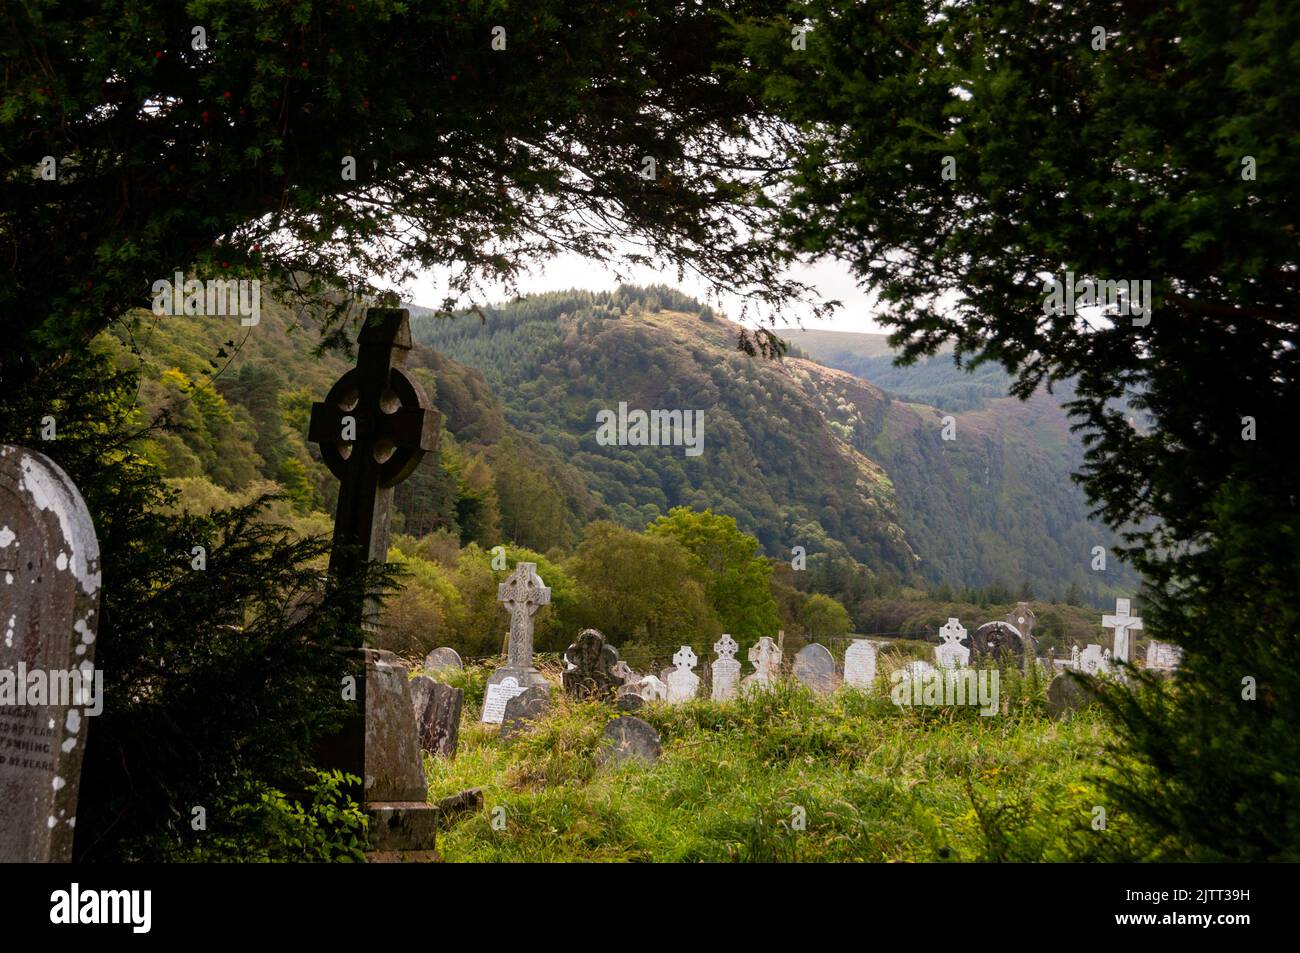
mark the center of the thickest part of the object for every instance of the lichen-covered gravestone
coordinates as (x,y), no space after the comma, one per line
(589,666)
(528,706)
(522,594)
(860,664)
(49,611)
(374,427)
(442,659)
(1067,693)
(814,666)
(437,715)
(629,738)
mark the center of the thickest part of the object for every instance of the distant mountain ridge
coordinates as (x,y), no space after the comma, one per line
(800,453)
(936,380)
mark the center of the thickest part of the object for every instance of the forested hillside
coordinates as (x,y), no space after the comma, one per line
(900,528)
(240,408)
(799,454)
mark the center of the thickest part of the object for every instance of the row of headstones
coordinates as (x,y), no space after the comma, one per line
(438,708)
(592,669)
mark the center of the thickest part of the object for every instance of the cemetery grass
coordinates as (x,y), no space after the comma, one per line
(875,783)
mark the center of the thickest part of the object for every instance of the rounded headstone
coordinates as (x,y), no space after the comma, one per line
(814,666)
(442,658)
(996,641)
(527,706)
(630,701)
(631,738)
(1066,693)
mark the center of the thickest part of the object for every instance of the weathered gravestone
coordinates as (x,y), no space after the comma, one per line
(1093,660)
(1023,618)
(1163,656)
(814,666)
(726,670)
(49,604)
(374,427)
(917,668)
(627,678)
(652,689)
(766,659)
(951,653)
(443,659)
(522,594)
(589,667)
(1067,693)
(529,705)
(1124,625)
(683,684)
(629,701)
(860,664)
(629,738)
(997,642)
(437,715)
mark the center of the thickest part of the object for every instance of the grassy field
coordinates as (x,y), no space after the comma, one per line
(874,782)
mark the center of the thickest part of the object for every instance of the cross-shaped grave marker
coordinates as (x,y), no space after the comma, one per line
(1123,624)
(374,427)
(522,594)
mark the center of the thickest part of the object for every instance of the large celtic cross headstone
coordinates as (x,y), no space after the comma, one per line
(374,427)
(522,594)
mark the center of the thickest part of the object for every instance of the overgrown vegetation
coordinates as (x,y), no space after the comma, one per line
(874,782)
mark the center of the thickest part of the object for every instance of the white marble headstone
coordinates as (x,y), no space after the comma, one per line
(1163,656)
(726,670)
(652,689)
(860,664)
(683,684)
(494,703)
(1124,625)
(951,653)
(1094,660)
(766,659)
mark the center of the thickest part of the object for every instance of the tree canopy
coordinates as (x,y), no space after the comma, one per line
(333,148)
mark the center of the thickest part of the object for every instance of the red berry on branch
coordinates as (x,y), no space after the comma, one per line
(205,116)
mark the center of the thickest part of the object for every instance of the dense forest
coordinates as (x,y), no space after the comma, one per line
(800,455)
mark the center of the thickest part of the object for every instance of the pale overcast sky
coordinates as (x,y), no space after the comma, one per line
(831,278)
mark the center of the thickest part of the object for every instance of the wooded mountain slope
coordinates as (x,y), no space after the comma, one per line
(799,453)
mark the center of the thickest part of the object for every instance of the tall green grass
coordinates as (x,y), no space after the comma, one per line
(873,782)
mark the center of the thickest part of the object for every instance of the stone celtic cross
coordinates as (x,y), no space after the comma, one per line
(374,427)
(522,594)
